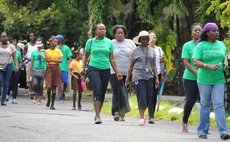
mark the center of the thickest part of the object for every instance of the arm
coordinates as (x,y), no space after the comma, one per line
(15,61)
(114,65)
(200,64)
(189,66)
(155,75)
(84,61)
(129,73)
(25,50)
(71,72)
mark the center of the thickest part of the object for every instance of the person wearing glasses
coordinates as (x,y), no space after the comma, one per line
(209,57)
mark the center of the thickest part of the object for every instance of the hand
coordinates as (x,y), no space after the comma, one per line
(16,68)
(119,76)
(157,83)
(83,71)
(75,76)
(214,67)
(127,81)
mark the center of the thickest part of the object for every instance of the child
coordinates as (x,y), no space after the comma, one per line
(75,69)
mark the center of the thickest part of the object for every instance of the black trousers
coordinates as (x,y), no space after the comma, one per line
(120,102)
(192,94)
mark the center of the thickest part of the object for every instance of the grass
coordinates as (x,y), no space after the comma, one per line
(162,113)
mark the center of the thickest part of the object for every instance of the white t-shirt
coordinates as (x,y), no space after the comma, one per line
(122,53)
(30,49)
(159,53)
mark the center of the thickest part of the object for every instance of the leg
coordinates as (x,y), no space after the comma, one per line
(116,96)
(218,103)
(192,93)
(205,103)
(48,96)
(53,98)
(152,100)
(79,99)
(74,99)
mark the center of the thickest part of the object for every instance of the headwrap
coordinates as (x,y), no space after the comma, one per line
(210,26)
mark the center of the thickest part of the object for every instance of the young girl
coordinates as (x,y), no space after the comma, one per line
(75,69)
(53,74)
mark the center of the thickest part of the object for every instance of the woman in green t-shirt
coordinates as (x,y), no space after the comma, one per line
(190,74)
(100,49)
(209,56)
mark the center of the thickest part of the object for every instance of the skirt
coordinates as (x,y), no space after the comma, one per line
(53,76)
(76,83)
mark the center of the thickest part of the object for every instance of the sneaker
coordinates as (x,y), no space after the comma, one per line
(14,101)
(74,108)
(116,116)
(151,121)
(98,120)
(7,98)
(225,136)
(52,108)
(61,98)
(3,103)
(122,118)
(202,136)
(142,122)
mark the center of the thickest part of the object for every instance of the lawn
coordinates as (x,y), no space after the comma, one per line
(162,113)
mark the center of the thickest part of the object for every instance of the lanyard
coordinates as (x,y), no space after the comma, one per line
(146,54)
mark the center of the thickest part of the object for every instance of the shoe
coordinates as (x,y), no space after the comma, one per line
(74,108)
(202,136)
(38,103)
(52,108)
(122,118)
(225,136)
(116,116)
(7,98)
(98,120)
(14,101)
(184,128)
(151,121)
(142,122)
(61,98)
(3,103)
(48,104)
(79,106)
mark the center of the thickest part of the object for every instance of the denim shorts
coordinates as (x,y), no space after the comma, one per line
(64,77)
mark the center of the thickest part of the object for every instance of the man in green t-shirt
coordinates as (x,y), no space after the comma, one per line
(67,54)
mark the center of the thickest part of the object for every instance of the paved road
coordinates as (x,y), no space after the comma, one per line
(27,122)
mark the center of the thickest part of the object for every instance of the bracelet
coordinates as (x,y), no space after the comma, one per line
(205,66)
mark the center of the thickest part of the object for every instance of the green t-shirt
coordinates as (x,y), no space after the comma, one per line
(210,53)
(19,58)
(187,52)
(66,54)
(39,62)
(99,52)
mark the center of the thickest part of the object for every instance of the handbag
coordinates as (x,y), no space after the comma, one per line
(87,83)
(38,73)
(3,67)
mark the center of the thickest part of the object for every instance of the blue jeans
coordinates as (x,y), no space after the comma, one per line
(214,93)
(5,79)
(99,80)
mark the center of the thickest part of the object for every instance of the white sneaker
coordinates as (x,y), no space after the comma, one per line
(14,101)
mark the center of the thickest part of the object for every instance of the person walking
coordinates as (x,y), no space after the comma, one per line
(159,58)
(75,70)
(67,56)
(53,57)
(100,50)
(38,68)
(190,74)
(15,76)
(123,49)
(209,57)
(7,52)
(28,49)
(144,72)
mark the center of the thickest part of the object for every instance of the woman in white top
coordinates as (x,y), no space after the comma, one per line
(159,58)
(123,49)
